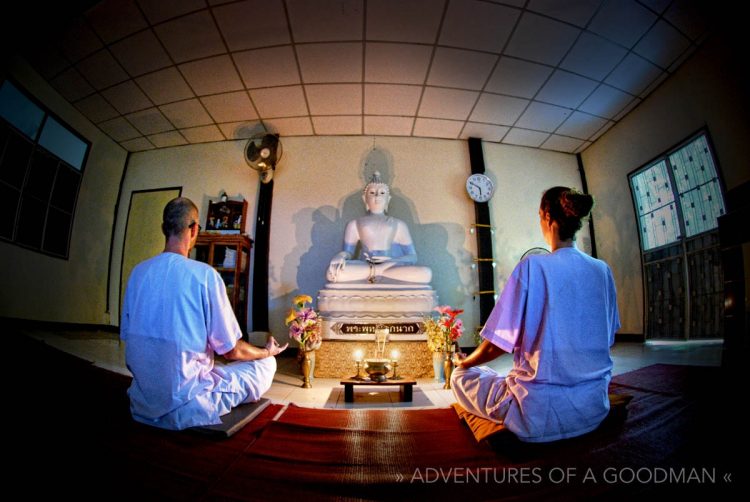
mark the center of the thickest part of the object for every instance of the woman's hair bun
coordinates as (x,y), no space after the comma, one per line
(576,204)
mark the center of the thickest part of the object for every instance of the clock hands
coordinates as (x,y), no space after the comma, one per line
(478,187)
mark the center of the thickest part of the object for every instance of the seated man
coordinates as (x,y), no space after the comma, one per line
(175,317)
(387,250)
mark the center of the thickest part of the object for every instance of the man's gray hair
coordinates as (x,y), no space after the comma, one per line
(177,216)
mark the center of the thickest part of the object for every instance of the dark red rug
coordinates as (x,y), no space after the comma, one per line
(76,437)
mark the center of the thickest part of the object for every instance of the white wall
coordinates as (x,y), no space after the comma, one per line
(521,176)
(706,91)
(318,187)
(39,287)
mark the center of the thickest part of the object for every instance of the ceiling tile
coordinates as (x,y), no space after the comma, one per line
(239,34)
(435,128)
(662,44)
(79,40)
(295,126)
(141,53)
(397,63)
(566,89)
(241,130)
(384,99)
(191,37)
(119,129)
(541,39)
(522,137)
(388,126)
(137,145)
(593,56)
(447,103)
(202,134)
(96,108)
(657,6)
(517,78)
(330,62)
(581,125)
(605,102)
(71,85)
(115,19)
(211,76)
(690,17)
(622,21)
(280,102)
(633,74)
(150,121)
(165,86)
(278,67)
(184,114)
(126,97)
(334,99)
(542,117)
(326,20)
(487,132)
(230,107)
(501,110)
(461,69)
(166,139)
(478,25)
(337,125)
(417,20)
(160,10)
(561,144)
(576,12)
(101,70)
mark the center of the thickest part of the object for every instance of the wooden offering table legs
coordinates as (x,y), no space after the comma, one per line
(405,394)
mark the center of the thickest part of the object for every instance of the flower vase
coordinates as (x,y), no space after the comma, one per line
(308,366)
(448,369)
(438,367)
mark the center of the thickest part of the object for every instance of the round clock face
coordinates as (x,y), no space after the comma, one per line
(480,187)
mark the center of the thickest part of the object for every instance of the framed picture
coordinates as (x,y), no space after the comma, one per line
(226,217)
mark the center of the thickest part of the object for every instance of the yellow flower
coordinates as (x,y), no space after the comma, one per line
(292,315)
(300,300)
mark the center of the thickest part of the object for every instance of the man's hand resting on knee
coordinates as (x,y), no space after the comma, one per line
(243,351)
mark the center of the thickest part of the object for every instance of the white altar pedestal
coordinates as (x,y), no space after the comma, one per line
(349,313)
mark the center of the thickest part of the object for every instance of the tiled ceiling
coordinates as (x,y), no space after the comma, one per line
(550,74)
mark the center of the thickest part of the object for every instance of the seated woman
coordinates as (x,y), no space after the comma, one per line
(386,248)
(558,316)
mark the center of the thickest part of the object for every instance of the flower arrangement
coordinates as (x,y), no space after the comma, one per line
(443,331)
(304,325)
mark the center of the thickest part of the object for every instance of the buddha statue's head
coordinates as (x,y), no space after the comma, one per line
(376,194)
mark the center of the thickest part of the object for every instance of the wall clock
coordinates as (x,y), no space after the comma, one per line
(480,187)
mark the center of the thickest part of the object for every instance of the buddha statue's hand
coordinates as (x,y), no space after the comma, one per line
(338,263)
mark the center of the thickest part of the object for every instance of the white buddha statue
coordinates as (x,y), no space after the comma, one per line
(386,247)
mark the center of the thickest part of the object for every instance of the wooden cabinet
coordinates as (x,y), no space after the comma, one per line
(230,256)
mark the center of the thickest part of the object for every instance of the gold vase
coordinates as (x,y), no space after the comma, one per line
(307,368)
(448,369)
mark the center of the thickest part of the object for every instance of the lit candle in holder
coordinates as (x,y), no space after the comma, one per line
(358,363)
(395,354)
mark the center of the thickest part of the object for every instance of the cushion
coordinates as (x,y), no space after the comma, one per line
(483,428)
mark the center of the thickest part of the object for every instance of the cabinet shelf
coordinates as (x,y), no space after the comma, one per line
(213,249)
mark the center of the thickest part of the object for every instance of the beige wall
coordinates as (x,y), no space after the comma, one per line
(39,287)
(318,189)
(706,91)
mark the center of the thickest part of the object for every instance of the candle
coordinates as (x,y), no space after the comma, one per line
(358,355)
(395,354)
